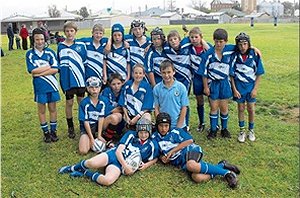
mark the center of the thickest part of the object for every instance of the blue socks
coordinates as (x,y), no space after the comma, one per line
(251,125)
(213,170)
(213,121)
(224,121)
(79,166)
(92,175)
(53,126)
(44,127)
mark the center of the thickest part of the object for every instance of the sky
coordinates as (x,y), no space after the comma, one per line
(32,7)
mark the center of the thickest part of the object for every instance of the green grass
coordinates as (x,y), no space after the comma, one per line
(270,166)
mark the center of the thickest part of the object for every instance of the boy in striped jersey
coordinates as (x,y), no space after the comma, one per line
(42,65)
(72,57)
(248,69)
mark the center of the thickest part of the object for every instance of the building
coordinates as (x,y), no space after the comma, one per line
(272,8)
(217,5)
(248,6)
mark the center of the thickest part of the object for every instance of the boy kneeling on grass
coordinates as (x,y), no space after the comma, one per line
(178,148)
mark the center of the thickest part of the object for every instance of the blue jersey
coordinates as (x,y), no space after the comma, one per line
(72,70)
(90,112)
(246,71)
(95,57)
(117,60)
(215,69)
(148,150)
(171,100)
(135,102)
(137,51)
(153,60)
(171,140)
(36,59)
(182,62)
(112,98)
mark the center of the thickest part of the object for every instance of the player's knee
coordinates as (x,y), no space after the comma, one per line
(193,166)
(196,177)
(250,109)
(83,150)
(241,108)
(106,181)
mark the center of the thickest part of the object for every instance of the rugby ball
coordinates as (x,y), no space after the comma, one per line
(98,146)
(134,160)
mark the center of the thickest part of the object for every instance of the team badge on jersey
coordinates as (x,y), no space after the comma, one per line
(123,52)
(78,48)
(176,93)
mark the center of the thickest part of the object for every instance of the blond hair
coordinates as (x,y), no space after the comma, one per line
(98,27)
(173,33)
(195,30)
(70,24)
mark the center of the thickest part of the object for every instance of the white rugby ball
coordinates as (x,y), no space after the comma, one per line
(134,160)
(98,146)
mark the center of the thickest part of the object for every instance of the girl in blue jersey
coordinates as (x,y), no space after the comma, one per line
(91,116)
(155,55)
(118,59)
(42,65)
(114,160)
(178,148)
(198,48)
(248,69)
(95,52)
(137,97)
(72,55)
(113,125)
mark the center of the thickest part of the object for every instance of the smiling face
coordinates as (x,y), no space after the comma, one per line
(168,75)
(138,73)
(97,35)
(143,135)
(39,41)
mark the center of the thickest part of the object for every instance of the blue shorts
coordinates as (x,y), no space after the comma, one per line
(190,148)
(112,158)
(47,97)
(245,90)
(197,85)
(220,89)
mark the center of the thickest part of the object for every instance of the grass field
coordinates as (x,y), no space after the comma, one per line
(269,166)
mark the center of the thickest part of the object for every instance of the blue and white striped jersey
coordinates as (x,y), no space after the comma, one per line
(89,112)
(117,61)
(36,59)
(72,59)
(171,140)
(182,62)
(138,101)
(137,51)
(148,150)
(248,70)
(215,69)
(95,57)
(153,60)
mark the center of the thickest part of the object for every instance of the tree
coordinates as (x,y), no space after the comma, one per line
(84,12)
(53,11)
(198,5)
(288,8)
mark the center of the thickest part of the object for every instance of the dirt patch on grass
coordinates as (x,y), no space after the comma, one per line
(291,115)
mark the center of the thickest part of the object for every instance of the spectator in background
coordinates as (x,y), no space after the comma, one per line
(24,34)
(10,35)
(30,35)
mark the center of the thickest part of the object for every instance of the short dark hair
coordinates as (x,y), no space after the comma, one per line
(220,34)
(165,64)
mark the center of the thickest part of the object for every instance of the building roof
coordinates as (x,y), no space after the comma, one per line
(188,10)
(17,18)
(168,14)
(257,15)
(222,2)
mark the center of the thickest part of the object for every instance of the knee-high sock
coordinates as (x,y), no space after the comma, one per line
(213,121)
(92,175)
(79,166)
(213,170)
(224,120)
